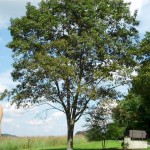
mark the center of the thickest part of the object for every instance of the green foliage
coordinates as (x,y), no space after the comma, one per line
(141,83)
(131,114)
(144,46)
(94,134)
(115,132)
(64,51)
(127,109)
(125,115)
(3,94)
(100,123)
(135,108)
(78,44)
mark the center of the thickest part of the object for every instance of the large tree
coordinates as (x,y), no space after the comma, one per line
(67,52)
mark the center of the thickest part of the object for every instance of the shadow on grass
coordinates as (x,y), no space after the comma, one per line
(85,149)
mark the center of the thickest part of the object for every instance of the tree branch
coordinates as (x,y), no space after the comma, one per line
(61,100)
(79,114)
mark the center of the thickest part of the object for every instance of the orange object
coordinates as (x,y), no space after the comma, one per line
(1,116)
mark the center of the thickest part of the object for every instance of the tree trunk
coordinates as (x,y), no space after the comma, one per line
(70,136)
(103,143)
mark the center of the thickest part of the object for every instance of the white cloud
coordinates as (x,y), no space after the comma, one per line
(7,120)
(6,80)
(17,126)
(3,22)
(137,4)
(2,87)
(143,7)
(58,115)
(50,120)
(36,122)
(15,122)
(11,109)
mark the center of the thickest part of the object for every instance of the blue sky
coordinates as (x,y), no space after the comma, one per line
(23,122)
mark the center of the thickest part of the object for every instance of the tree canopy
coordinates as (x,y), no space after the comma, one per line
(66,51)
(133,112)
(141,83)
(100,124)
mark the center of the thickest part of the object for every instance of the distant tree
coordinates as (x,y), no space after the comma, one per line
(81,133)
(99,121)
(66,51)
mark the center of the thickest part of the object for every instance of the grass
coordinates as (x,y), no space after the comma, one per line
(53,143)
(20,143)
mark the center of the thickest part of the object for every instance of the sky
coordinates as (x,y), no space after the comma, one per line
(24,122)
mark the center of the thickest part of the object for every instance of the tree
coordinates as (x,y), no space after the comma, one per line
(127,113)
(131,114)
(141,83)
(93,134)
(115,132)
(65,50)
(99,120)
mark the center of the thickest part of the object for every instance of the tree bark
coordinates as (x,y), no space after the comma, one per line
(70,136)
(103,144)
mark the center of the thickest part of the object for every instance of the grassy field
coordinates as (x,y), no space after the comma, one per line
(52,143)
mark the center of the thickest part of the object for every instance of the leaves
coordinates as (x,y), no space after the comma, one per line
(66,52)
(141,83)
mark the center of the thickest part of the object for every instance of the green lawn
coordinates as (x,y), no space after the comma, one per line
(84,145)
(53,143)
